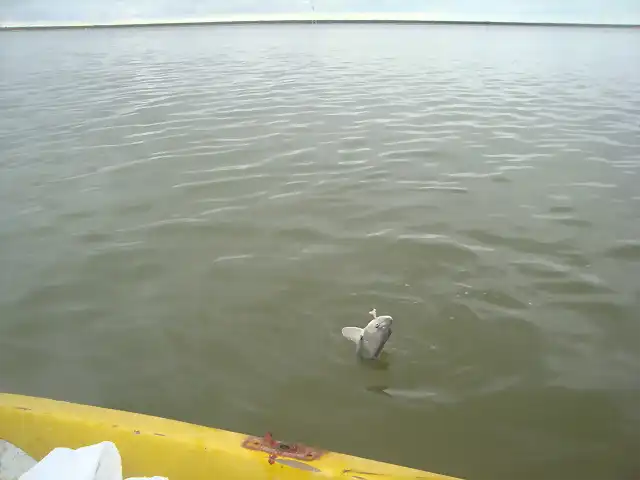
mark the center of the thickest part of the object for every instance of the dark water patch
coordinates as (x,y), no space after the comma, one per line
(572,287)
(627,252)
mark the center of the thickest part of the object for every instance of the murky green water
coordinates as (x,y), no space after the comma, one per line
(188,216)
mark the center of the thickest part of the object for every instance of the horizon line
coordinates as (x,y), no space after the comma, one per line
(390,18)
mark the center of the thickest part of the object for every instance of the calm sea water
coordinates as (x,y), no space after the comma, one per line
(189,216)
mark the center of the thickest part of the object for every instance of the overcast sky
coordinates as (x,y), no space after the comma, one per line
(584,11)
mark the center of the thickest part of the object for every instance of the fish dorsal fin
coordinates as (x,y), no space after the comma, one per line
(352,333)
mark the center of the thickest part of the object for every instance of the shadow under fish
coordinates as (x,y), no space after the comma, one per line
(420,394)
(379,389)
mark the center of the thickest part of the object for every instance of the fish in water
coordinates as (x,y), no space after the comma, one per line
(371,339)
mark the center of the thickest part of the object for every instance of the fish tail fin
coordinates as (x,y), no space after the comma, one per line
(352,333)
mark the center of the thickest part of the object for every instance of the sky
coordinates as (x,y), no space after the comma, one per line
(105,11)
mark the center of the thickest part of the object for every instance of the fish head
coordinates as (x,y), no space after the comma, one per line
(380,324)
(375,335)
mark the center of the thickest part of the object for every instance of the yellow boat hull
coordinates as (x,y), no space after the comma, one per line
(177,450)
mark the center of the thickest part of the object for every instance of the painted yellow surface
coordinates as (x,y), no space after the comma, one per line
(180,451)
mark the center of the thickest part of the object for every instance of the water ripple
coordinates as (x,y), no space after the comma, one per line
(233,203)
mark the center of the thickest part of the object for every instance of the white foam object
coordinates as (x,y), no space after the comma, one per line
(95,462)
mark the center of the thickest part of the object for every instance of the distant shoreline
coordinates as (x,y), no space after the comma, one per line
(306,20)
